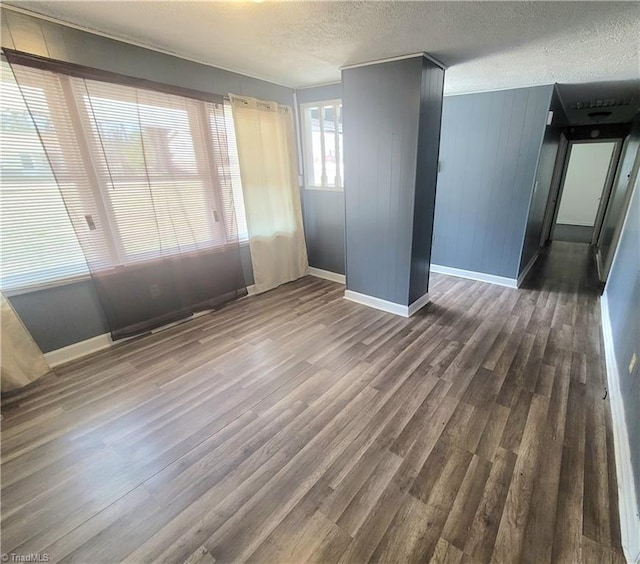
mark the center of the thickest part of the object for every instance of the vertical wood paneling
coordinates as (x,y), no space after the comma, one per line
(544,175)
(623,298)
(391,113)
(489,154)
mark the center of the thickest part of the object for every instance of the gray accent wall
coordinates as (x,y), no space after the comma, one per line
(323,210)
(68,314)
(542,185)
(426,178)
(385,136)
(489,153)
(622,292)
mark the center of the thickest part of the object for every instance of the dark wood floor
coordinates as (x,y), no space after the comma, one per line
(297,426)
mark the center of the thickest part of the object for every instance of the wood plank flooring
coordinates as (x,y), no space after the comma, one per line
(296,426)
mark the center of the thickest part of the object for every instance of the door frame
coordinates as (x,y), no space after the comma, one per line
(604,263)
(554,203)
(606,191)
(557,179)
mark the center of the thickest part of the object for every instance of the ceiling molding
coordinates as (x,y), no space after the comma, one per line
(398,58)
(133,42)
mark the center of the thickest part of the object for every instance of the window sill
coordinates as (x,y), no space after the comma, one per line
(324,188)
(31,288)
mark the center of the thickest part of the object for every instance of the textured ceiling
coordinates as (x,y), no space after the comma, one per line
(487,45)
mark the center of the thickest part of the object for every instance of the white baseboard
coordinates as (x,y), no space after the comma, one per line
(327,275)
(101,342)
(78,350)
(418,304)
(629,517)
(472,275)
(526,270)
(384,305)
(251,290)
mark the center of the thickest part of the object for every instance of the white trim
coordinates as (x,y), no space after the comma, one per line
(319,85)
(327,275)
(324,188)
(526,270)
(472,275)
(78,350)
(418,304)
(629,517)
(40,286)
(377,303)
(505,88)
(133,42)
(251,290)
(93,345)
(398,58)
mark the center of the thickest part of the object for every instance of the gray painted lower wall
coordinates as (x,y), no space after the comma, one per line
(488,159)
(63,315)
(323,212)
(623,297)
(67,314)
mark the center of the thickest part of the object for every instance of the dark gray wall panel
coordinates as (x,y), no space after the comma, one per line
(623,296)
(58,317)
(323,210)
(324,229)
(68,314)
(426,178)
(319,93)
(544,175)
(488,156)
(381,113)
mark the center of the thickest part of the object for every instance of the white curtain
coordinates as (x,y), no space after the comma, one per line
(21,361)
(266,151)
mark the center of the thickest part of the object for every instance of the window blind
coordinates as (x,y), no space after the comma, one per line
(143,174)
(37,239)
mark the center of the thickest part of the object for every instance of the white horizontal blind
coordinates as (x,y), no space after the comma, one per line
(153,167)
(143,174)
(38,243)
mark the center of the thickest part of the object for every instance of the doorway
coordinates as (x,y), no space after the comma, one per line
(584,189)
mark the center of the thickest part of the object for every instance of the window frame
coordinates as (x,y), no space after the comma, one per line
(119,260)
(307,146)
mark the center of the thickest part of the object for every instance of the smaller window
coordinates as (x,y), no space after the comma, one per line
(322,145)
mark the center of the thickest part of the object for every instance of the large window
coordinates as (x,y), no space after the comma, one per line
(322,145)
(143,174)
(38,243)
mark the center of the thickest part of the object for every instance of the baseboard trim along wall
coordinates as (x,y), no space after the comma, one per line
(327,275)
(98,343)
(527,269)
(629,518)
(78,350)
(384,305)
(418,304)
(472,275)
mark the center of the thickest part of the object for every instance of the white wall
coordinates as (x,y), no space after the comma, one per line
(586,175)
